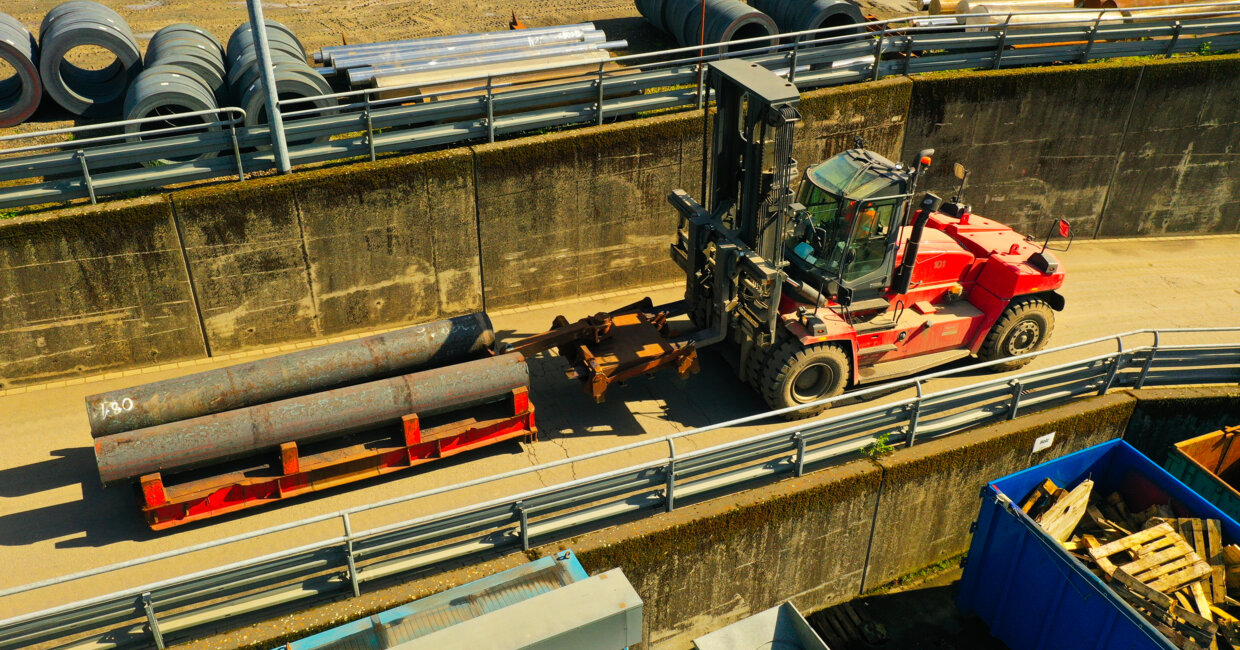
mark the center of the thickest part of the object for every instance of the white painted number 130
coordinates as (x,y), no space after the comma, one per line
(116,408)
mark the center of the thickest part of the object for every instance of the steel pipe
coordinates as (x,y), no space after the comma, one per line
(294,374)
(21,93)
(244,432)
(360,76)
(326,54)
(464,49)
(80,91)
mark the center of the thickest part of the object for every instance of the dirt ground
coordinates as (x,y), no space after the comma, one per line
(320,23)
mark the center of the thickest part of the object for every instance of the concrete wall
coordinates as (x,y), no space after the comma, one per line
(1118,149)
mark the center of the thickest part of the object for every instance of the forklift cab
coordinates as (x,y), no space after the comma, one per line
(848,236)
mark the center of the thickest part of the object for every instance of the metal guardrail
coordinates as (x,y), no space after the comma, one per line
(340,564)
(372,123)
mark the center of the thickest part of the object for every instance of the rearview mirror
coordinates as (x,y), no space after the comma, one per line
(958,171)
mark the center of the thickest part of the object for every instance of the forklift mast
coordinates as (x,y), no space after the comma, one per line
(732,251)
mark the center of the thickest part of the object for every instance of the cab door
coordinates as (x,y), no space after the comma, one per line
(872,247)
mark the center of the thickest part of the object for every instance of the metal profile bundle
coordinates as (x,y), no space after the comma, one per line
(819,14)
(328,55)
(80,91)
(725,20)
(21,93)
(343,61)
(508,61)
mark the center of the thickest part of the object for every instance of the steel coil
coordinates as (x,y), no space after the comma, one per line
(243,74)
(726,20)
(821,14)
(230,435)
(81,91)
(166,90)
(19,94)
(242,38)
(652,11)
(293,81)
(192,50)
(181,30)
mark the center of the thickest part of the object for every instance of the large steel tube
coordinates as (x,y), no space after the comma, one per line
(82,91)
(244,432)
(388,57)
(328,53)
(20,93)
(994,14)
(360,76)
(652,10)
(294,374)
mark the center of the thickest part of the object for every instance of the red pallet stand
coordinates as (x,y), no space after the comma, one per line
(165,506)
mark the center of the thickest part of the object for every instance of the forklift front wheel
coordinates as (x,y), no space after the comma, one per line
(801,375)
(1023,327)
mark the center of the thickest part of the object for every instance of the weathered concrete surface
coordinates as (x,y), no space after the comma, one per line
(1176,171)
(704,566)
(1041,142)
(584,211)
(392,242)
(929,496)
(247,260)
(93,289)
(1165,416)
(832,117)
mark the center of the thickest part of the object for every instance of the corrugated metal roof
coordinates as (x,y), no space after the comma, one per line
(450,607)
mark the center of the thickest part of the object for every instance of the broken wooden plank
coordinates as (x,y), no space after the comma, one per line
(1200,600)
(1063,516)
(1044,491)
(1104,524)
(1214,557)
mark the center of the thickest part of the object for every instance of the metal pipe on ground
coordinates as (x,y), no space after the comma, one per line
(399,352)
(19,94)
(230,435)
(360,76)
(518,74)
(994,14)
(466,49)
(81,91)
(326,54)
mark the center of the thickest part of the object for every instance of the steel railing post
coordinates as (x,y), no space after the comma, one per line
(1145,370)
(90,184)
(152,621)
(1093,34)
(1017,387)
(914,415)
(792,60)
(1002,42)
(599,83)
(800,440)
(908,51)
(701,84)
(232,129)
(525,525)
(669,502)
(370,128)
(1175,38)
(490,109)
(878,53)
(348,554)
(258,26)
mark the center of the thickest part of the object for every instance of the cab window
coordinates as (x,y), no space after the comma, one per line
(870,235)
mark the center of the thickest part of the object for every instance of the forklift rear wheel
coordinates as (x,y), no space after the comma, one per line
(800,375)
(1024,327)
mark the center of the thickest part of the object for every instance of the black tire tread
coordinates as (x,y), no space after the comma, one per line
(1015,312)
(782,358)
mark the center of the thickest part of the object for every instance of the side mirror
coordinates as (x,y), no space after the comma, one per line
(959,171)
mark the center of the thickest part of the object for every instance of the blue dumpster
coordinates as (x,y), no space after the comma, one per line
(1034,594)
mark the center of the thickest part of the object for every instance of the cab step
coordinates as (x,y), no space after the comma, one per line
(905,367)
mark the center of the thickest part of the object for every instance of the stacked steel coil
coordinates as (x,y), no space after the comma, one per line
(293,76)
(19,94)
(799,16)
(81,91)
(725,20)
(184,73)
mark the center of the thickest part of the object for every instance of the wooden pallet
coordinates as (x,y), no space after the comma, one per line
(1164,560)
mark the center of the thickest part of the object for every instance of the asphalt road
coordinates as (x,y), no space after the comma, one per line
(55,519)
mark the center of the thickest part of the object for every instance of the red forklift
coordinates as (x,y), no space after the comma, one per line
(851,278)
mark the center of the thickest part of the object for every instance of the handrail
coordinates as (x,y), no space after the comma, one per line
(669,79)
(935,413)
(239,116)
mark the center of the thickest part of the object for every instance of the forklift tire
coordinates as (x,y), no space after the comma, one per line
(1024,327)
(800,375)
